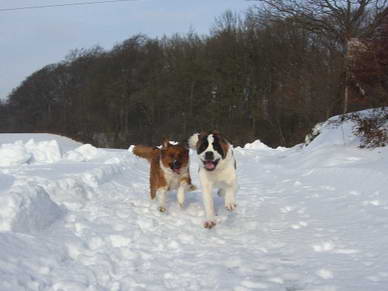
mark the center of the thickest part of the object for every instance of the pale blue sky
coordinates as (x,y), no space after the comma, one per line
(31,39)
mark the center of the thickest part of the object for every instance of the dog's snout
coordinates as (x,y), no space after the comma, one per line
(209,156)
(176,164)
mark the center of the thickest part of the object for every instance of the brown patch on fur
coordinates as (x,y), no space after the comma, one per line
(224,143)
(157,179)
(224,138)
(166,155)
(171,152)
(201,135)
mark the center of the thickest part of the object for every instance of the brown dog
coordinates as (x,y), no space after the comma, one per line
(169,170)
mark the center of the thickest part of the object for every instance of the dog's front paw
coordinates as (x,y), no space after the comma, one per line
(162,209)
(209,224)
(230,204)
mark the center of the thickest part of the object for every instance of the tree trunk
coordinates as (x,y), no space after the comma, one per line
(347,76)
(346,94)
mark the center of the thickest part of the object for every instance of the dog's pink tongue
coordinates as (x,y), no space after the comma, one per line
(209,165)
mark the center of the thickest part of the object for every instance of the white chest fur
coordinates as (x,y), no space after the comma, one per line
(173,179)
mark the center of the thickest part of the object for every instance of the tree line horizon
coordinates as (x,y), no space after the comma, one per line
(258,75)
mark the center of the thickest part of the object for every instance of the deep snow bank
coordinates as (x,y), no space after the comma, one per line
(308,218)
(31,204)
(27,208)
(13,155)
(340,130)
(44,151)
(66,143)
(16,150)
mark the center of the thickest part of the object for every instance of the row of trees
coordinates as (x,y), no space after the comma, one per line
(265,74)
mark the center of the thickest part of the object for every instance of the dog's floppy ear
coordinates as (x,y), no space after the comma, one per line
(165,142)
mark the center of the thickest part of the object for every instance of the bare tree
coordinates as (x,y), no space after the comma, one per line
(341,20)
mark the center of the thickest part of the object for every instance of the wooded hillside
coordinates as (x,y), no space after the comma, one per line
(251,77)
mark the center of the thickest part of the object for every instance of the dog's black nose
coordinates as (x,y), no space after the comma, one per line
(209,156)
(176,164)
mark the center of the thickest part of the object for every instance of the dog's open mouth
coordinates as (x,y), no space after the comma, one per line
(210,165)
(176,170)
(176,167)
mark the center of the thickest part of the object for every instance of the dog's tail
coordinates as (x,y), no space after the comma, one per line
(145,152)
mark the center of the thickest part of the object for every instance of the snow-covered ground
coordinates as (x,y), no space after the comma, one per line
(74,217)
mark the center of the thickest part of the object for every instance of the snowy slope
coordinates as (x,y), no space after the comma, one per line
(74,217)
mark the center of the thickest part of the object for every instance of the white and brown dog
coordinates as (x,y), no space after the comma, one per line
(217,170)
(169,171)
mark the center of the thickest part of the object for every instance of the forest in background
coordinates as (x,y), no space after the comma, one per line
(261,75)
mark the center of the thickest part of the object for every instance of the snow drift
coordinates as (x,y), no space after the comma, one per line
(74,217)
(27,208)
